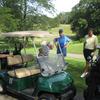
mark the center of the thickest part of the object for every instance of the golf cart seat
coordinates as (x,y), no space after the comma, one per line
(21,72)
(19,59)
(24,72)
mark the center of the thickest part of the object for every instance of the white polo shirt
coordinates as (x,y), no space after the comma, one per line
(91,42)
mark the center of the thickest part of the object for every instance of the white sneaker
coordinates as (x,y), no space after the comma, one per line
(84,74)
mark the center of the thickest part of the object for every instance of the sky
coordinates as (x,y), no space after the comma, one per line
(64,5)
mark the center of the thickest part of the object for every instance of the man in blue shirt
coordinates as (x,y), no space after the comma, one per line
(61,43)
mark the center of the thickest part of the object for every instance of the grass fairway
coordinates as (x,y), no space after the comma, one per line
(75,68)
(76,48)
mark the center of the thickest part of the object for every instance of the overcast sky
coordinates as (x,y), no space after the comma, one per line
(64,5)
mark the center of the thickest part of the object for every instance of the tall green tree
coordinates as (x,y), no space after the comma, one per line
(33,8)
(84,15)
(7,21)
(64,17)
(22,13)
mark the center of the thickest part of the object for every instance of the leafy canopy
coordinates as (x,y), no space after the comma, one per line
(84,15)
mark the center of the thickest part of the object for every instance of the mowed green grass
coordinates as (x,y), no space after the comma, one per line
(72,48)
(76,48)
(75,68)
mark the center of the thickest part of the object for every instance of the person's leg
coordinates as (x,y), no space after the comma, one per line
(64,51)
(86,55)
(58,50)
(86,69)
(88,58)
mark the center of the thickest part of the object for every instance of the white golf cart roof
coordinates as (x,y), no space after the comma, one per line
(27,34)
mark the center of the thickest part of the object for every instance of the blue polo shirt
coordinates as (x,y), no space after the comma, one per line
(62,40)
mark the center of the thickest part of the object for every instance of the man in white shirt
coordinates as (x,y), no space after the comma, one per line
(89,48)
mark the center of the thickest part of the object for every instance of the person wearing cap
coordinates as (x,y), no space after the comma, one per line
(44,49)
(89,48)
(61,43)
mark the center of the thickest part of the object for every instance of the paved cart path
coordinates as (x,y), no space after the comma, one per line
(78,56)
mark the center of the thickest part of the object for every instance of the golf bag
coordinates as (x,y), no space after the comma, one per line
(92,92)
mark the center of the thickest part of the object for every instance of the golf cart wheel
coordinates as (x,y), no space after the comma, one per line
(47,97)
(74,93)
(73,89)
(70,96)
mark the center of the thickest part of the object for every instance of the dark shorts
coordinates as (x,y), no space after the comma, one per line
(87,54)
(63,50)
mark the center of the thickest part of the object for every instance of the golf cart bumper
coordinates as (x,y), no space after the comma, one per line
(68,93)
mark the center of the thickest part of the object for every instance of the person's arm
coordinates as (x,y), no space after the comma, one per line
(55,42)
(95,43)
(67,42)
(84,43)
(95,46)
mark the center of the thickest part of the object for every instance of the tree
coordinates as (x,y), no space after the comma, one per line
(64,17)
(7,23)
(36,8)
(84,15)
(21,13)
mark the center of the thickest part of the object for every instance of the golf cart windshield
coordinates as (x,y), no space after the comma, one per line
(51,64)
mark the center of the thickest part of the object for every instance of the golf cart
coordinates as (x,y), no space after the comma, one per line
(92,92)
(46,80)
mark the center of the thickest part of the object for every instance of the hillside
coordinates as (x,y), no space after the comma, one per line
(66,28)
